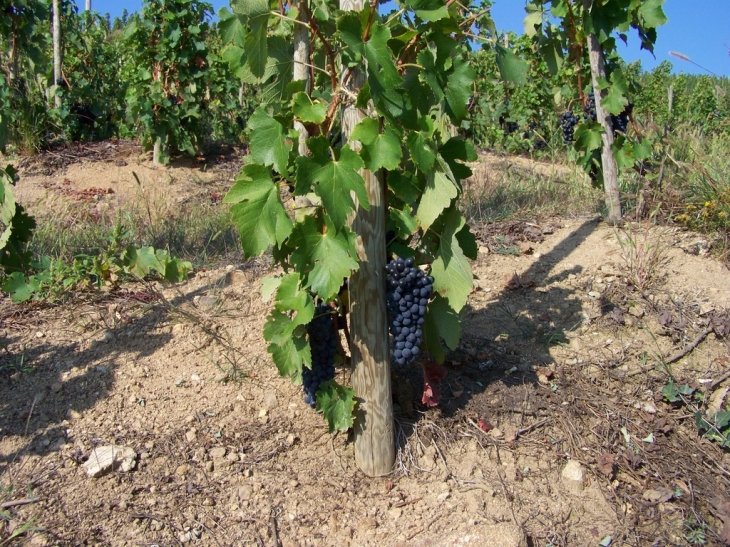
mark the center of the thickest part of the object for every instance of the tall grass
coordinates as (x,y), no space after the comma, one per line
(507,188)
(198,231)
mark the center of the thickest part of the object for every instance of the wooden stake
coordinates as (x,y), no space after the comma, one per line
(610,169)
(57,74)
(374,431)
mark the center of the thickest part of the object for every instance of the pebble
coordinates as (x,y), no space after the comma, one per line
(270,402)
(183,469)
(190,435)
(217,452)
(573,476)
(56,387)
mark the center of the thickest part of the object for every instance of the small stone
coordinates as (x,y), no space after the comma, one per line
(108,337)
(183,469)
(56,387)
(291,439)
(235,277)
(190,435)
(496,433)
(108,458)
(220,377)
(270,402)
(194,378)
(483,249)
(263,412)
(207,302)
(595,295)
(208,502)
(39,334)
(573,476)
(293,483)
(209,466)
(232,457)
(637,311)
(368,523)
(244,492)
(217,452)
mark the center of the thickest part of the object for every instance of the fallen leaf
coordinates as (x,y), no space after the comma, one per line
(606,464)
(544,317)
(512,282)
(658,495)
(433,373)
(484,425)
(526,248)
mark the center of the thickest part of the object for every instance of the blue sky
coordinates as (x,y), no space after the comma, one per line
(699,29)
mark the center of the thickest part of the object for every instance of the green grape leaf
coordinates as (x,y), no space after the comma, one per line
(290,356)
(269,286)
(327,257)
(19,288)
(642,149)
(446,323)
(459,88)
(269,145)
(451,270)
(652,14)
(512,68)
(308,110)
(141,261)
(588,136)
(404,221)
(333,181)
(404,185)
(420,151)
(378,149)
(337,405)
(381,65)
(291,296)
(533,20)
(258,212)
(468,242)
(615,100)
(437,196)
(429,10)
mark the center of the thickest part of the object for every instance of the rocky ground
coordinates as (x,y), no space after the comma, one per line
(553,427)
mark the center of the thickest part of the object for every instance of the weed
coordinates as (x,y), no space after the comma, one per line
(644,254)
(695,532)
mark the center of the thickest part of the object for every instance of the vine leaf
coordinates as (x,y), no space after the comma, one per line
(333,180)
(588,136)
(420,151)
(615,100)
(288,346)
(451,270)
(429,10)
(379,149)
(307,110)
(437,196)
(257,211)
(269,146)
(512,68)
(327,257)
(381,65)
(459,88)
(652,13)
(442,323)
(337,404)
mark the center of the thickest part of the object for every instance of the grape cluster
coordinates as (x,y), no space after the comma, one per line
(568,121)
(323,342)
(408,292)
(621,122)
(589,109)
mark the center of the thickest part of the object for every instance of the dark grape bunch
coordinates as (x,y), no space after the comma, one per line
(589,109)
(408,292)
(323,341)
(621,122)
(568,121)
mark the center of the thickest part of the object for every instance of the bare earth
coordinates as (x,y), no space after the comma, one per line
(559,362)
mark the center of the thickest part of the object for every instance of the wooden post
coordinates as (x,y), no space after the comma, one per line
(88,5)
(610,169)
(57,74)
(374,435)
(301,73)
